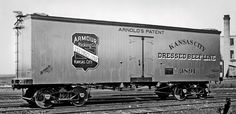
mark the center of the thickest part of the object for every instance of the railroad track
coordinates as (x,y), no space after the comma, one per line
(9,96)
(133,107)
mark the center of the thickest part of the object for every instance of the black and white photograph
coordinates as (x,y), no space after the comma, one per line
(118,57)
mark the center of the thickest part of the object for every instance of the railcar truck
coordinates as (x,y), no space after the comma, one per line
(59,58)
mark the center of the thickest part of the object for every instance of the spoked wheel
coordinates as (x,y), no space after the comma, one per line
(80,96)
(180,93)
(202,93)
(42,98)
(29,94)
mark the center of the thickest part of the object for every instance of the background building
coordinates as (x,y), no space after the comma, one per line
(228,49)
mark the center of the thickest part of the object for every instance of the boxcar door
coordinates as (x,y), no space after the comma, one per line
(148,57)
(135,57)
(140,58)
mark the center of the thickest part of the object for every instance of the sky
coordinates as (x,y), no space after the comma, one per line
(200,14)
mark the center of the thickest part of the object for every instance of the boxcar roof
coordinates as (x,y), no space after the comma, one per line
(100,22)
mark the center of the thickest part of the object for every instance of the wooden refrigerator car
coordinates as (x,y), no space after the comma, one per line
(59,58)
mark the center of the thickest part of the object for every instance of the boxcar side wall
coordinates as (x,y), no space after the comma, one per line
(54,51)
(65,52)
(187,56)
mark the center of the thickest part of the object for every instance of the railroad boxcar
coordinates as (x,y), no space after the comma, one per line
(59,58)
